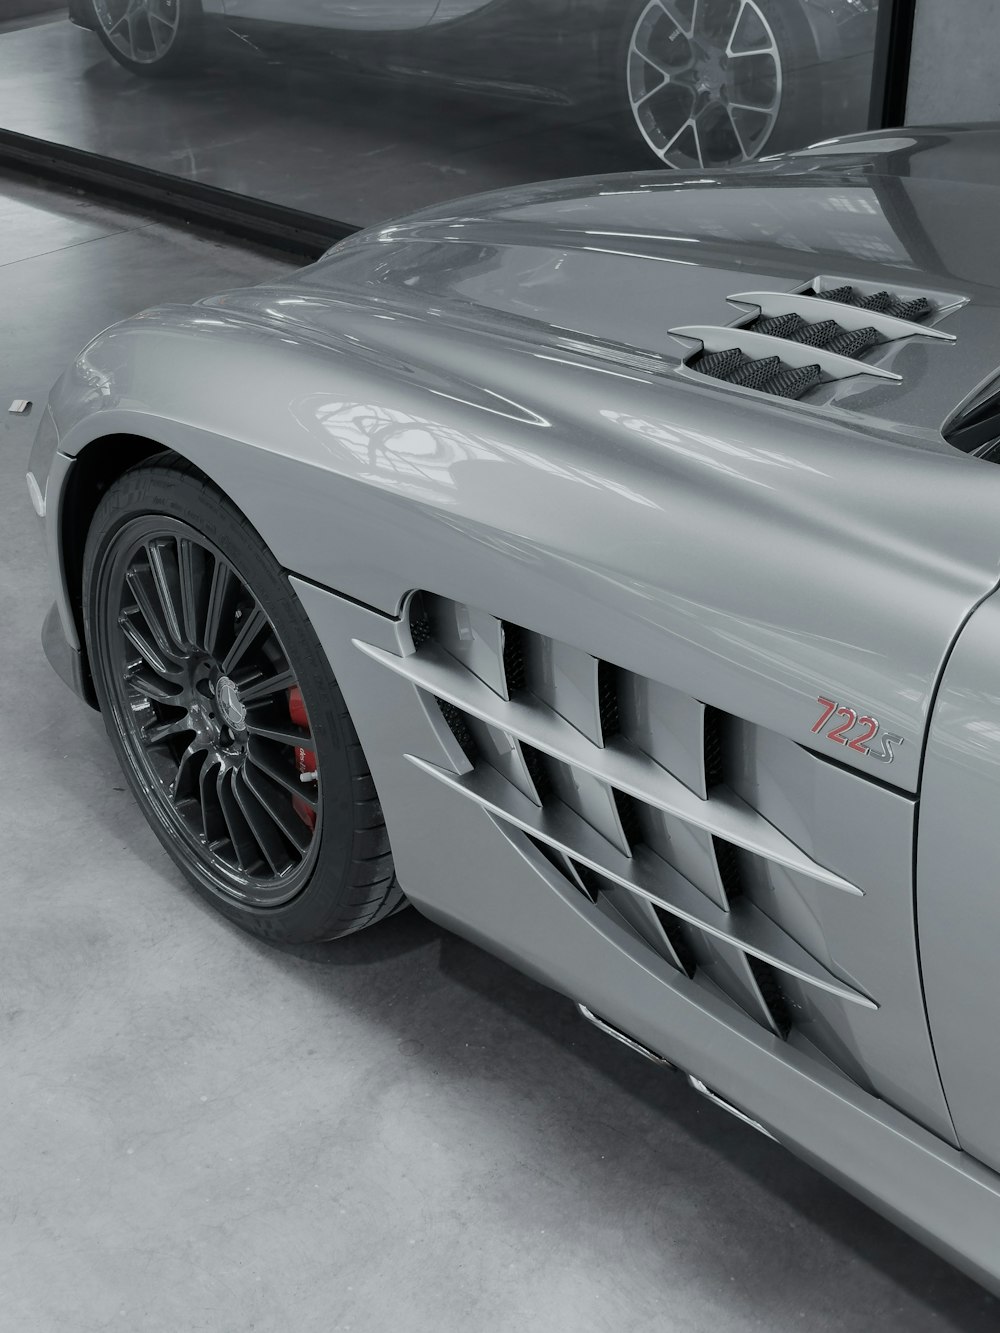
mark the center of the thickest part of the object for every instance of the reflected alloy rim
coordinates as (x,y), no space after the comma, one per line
(704,81)
(210,711)
(142,30)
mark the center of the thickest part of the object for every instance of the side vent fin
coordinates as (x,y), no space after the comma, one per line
(619,765)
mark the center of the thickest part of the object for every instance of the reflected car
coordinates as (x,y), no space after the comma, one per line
(608,568)
(702,83)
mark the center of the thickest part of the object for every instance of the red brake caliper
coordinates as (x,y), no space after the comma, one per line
(305,759)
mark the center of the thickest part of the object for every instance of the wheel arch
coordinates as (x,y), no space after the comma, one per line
(94,469)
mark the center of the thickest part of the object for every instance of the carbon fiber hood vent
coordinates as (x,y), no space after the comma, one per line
(795,342)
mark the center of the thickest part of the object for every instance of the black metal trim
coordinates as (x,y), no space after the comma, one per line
(306,235)
(891,64)
(67,662)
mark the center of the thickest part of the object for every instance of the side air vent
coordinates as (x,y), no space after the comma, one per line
(794,341)
(618,784)
(689,840)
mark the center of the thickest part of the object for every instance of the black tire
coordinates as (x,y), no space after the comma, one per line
(787,80)
(159,45)
(339,875)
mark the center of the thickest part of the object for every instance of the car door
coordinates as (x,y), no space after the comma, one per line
(958,870)
(353,15)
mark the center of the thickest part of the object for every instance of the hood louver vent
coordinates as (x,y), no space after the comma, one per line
(795,341)
(881,302)
(768,374)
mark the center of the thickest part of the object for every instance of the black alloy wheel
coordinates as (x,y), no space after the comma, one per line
(227,720)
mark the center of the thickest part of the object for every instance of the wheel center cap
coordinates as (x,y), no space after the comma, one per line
(711,77)
(232,709)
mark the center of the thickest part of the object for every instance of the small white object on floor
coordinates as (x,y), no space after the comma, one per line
(20,406)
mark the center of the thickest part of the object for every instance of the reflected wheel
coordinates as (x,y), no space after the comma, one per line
(150,37)
(715,83)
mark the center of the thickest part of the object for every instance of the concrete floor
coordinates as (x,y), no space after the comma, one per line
(393,1132)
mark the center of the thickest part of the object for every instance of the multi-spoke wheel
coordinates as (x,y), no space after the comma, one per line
(229,725)
(148,36)
(711,83)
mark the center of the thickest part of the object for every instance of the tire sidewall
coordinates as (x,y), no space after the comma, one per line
(159,492)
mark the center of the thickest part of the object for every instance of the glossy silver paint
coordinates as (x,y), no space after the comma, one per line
(485,402)
(958,885)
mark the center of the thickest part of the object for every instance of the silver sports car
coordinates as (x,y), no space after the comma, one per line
(700,82)
(610,567)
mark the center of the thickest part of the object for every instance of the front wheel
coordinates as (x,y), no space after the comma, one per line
(227,721)
(712,83)
(152,37)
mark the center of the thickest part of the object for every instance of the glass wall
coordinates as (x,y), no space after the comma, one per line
(953,67)
(363,109)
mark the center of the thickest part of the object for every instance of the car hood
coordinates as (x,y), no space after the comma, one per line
(619,262)
(496,384)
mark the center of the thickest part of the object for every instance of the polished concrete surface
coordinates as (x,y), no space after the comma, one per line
(953,63)
(309,135)
(393,1132)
